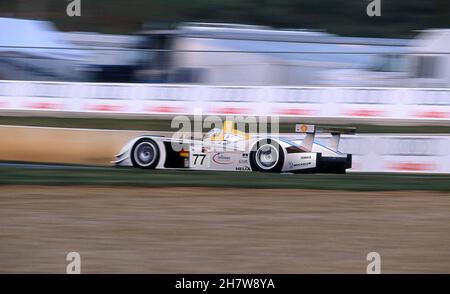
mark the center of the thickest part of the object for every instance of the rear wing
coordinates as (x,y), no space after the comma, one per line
(310,131)
(337,130)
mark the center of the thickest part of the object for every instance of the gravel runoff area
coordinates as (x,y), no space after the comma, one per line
(221,230)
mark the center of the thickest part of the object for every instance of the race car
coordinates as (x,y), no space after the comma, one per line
(228,149)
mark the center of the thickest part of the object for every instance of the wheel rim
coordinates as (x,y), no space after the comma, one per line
(267,156)
(145,154)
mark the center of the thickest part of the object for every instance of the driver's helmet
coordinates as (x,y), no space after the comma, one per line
(212,133)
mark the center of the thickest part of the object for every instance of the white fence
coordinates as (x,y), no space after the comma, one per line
(408,104)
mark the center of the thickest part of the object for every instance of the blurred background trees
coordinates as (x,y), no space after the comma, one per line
(399,18)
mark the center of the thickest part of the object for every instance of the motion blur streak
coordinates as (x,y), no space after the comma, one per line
(75,146)
(371,153)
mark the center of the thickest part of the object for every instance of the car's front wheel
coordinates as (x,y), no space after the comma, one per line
(267,156)
(145,154)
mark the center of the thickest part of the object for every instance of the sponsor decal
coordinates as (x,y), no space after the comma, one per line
(304,128)
(105,107)
(411,166)
(222,158)
(183,153)
(230,110)
(44,105)
(242,168)
(243,161)
(432,114)
(298,165)
(165,109)
(245,155)
(365,113)
(295,111)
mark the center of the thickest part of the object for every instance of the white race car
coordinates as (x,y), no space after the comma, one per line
(229,149)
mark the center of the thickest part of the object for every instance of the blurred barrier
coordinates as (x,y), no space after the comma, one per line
(371,153)
(371,104)
(398,153)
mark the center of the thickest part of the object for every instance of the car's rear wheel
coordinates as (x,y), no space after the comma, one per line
(267,156)
(145,154)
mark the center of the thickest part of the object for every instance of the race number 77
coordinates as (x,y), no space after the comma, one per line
(197,156)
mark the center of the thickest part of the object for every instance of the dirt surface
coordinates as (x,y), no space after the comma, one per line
(207,230)
(59,145)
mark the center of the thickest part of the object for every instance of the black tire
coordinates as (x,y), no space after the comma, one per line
(142,149)
(268,147)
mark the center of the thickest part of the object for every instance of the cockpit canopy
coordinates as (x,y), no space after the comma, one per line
(215,132)
(229,133)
